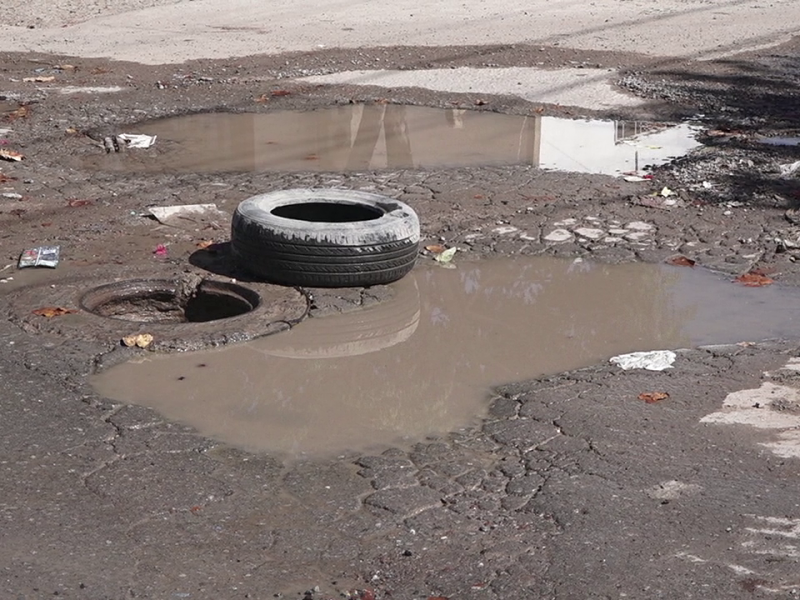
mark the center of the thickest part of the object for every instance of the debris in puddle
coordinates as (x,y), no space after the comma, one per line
(137,140)
(41,256)
(140,340)
(161,251)
(444,258)
(11,155)
(185,214)
(53,311)
(754,278)
(681,261)
(653,397)
(655,360)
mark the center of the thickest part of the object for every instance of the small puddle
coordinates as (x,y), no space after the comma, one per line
(367,137)
(424,362)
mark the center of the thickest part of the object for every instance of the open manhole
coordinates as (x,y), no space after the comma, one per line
(164,301)
(184,312)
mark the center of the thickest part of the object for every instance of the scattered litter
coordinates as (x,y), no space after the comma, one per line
(707,185)
(39,79)
(634,178)
(666,192)
(446,256)
(185,214)
(11,155)
(43,256)
(656,360)
(790,168)
(435,248)
(53,311)
(754,279)
(161,251)
(653,397)
(659,202)
(681,261)
(140,340)
(137,140)
(12,195)
(65,67)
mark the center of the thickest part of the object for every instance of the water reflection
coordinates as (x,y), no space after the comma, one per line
(381,136)
(424,362)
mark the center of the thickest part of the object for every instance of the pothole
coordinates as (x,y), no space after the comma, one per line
(424,362)
(164,301)
(388,136)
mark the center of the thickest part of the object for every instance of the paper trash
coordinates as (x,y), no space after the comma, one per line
(186,215)
(137,140)
(43,256)
(656,360)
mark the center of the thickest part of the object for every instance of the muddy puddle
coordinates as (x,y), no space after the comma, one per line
(387,136)
(424,362)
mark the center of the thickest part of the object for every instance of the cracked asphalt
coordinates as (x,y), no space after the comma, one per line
(571,489)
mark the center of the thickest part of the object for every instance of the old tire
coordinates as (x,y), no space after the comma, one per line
(325,237)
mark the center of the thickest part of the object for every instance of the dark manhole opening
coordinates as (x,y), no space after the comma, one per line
(163,301)
(324,212)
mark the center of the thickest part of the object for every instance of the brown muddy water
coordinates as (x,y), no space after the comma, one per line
(369,137)
(424,363)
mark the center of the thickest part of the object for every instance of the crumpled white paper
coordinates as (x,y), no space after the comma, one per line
(655,360)
(137,140)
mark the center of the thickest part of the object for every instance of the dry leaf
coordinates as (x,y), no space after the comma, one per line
(6,178)
(262,98)
(65,67)
(681,261)
(11,155)
(435,248)
(140,340)
(71,130)
(653,397)
(312,157)
(53,311)
(39,79)
(754,279)
(204,244)
(100,71)
(78,202)
(21,113)
(277,93)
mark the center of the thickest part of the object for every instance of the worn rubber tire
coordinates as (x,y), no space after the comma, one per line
(316,253)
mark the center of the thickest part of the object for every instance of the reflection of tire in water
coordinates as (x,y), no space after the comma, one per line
(352,334)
